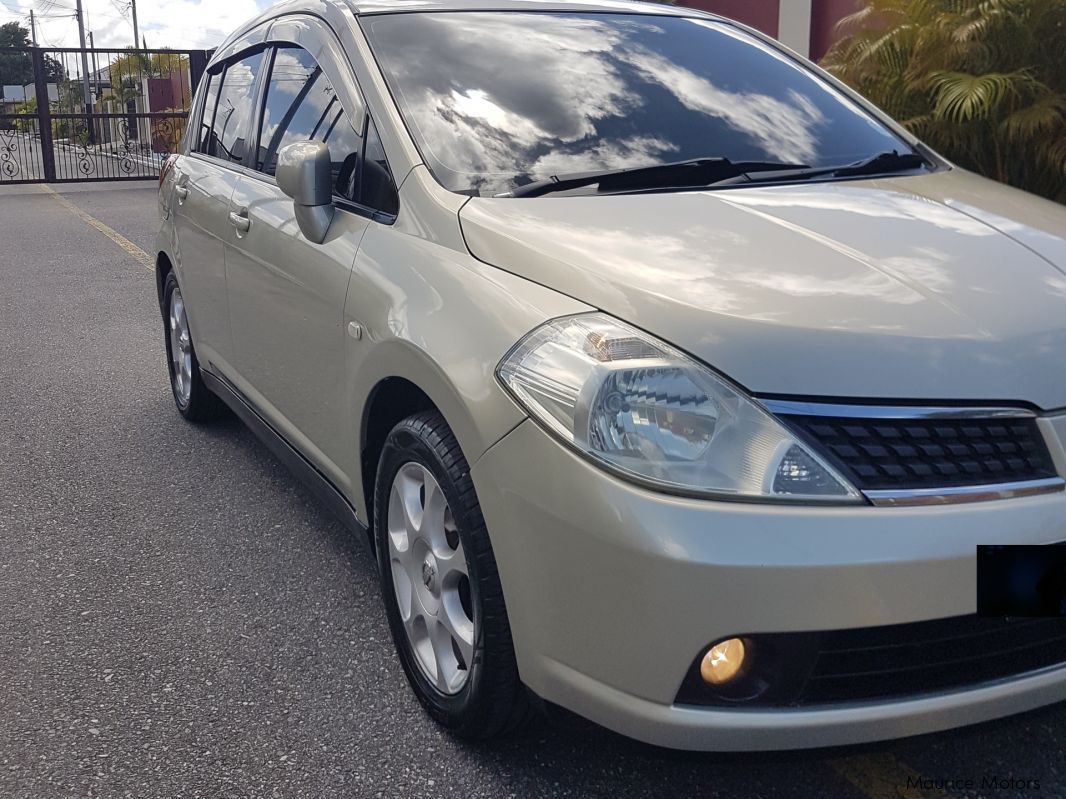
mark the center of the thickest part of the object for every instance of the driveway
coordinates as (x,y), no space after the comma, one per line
(178,618)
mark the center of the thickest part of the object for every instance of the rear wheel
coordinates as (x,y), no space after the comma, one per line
(441,586)
(194,400)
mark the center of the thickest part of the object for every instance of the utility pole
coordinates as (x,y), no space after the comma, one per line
(96,66)
(87,94)
(33,27)
(136,28)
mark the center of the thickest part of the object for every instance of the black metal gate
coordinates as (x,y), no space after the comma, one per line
(69,115)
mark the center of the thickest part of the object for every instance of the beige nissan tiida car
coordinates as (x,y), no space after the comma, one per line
(667,380)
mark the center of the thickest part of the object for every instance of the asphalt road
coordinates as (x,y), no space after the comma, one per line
(178,618)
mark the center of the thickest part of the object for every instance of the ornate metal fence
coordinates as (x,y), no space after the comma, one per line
(21,156)
(70,115)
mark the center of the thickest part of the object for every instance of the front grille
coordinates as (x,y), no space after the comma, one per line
(913,659)
(906,454)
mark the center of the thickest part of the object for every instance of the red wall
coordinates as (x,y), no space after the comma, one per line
(825,14)
(761,14)
(169,93)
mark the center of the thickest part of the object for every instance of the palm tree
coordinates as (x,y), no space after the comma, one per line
(983,81)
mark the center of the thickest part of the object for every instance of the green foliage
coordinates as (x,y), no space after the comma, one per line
(16,69)
(127,72)
(61,128)
(29,109)
(54,71)
(134,65)
(12,34)
(983,81)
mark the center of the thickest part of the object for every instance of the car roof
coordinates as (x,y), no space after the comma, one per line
(332,11)
(362,7)
(618,6)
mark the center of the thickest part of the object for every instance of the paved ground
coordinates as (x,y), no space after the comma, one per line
(179,619)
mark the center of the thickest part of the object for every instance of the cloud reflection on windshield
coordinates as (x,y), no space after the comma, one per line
(494,96)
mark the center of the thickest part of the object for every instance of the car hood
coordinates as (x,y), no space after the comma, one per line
(938,287)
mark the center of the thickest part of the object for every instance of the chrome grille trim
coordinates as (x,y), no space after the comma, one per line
(933,496)
(925,497)
(794,408)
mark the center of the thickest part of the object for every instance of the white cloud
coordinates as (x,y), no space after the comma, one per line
(179,24)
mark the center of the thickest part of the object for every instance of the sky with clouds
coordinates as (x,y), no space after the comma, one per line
(181,24)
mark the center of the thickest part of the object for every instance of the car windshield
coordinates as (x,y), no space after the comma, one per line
(496,100)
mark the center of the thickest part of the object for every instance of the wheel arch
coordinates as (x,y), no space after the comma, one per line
(402,380)
(163,267)
(391,401)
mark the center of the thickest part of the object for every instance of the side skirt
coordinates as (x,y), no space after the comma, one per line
(316,482)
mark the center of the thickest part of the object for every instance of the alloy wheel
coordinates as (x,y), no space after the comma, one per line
(431,579)
(180,348)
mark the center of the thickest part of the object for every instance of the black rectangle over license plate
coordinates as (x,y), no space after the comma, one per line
(1022,581)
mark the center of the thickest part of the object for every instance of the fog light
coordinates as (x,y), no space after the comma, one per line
(723,662)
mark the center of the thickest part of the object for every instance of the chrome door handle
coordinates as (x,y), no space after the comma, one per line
(241,222)
(182,192)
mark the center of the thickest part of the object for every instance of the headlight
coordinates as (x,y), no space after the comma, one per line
(649,412)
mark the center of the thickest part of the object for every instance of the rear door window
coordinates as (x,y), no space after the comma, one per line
(234,117)
(207,116)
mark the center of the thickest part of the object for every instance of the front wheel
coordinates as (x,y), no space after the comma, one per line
(194,399)
(441,586)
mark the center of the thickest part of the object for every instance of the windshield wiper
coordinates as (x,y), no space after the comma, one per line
(706,172)
(680,174)
(886,163)
(883,164)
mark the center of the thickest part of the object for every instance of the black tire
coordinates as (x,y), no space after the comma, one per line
(493,702)
(201,405)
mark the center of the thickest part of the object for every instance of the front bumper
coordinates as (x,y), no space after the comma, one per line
(613,590)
